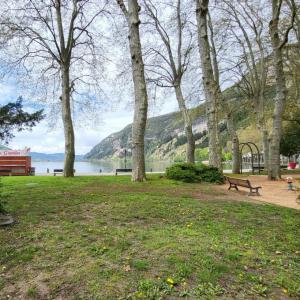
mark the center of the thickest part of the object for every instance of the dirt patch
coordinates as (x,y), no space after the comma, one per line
(225,195)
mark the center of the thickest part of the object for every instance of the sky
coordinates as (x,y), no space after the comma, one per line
(46,139)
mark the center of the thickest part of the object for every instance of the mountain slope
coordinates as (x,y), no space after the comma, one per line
(4,147)
(37,156)
(164,134)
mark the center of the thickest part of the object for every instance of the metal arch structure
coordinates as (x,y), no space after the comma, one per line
(249,145)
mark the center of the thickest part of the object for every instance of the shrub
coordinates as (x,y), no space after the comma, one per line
(188,172)
(209,174)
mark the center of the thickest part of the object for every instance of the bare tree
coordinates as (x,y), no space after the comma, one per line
(247,30)
(278,42)
(170,64)
(212,89)
(53,40)
(140,90)
(228,111)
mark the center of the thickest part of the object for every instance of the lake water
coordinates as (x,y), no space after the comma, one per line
(91,167)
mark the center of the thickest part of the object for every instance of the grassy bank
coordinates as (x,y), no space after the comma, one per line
(106,238)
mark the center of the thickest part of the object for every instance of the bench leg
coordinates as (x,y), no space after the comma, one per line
(254,192)
(233,186)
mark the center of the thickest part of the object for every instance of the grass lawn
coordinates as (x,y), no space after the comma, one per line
(107,238)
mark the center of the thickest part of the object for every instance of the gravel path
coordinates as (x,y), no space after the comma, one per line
(274,192)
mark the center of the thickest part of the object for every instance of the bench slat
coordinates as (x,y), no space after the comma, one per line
(123,170)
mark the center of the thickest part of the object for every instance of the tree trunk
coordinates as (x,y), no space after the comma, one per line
(265,142)
(68,124)
(262,128)
(211,88)
(188,128)
(140,92)
(235,151)
(280,98)
(235,145)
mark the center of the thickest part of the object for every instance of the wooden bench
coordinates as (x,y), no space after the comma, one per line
(235,182)
(59,171)
(123,171)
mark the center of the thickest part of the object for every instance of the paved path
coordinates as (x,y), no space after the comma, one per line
(274,192)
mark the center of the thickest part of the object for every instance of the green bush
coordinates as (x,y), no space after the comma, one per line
(209,174)
(188,172)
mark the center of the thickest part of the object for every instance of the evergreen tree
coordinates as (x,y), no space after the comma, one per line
(13,117)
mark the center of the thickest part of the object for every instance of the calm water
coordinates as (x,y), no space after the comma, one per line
(95,166)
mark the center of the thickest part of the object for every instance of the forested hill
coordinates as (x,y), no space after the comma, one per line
(164,137)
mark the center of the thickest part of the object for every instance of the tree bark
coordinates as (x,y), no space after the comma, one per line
(235,144)
(140,90)
(262,127)
(265,142)
(281,93)
(260,104)
(211,88)
(188,127)
(68,124)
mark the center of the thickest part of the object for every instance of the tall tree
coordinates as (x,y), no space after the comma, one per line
(211,87)
(53,39)
(228,111)
(131,14)
(171,62)
(278,43)
(247,29)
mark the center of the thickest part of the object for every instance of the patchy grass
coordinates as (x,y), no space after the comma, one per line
(108,238)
